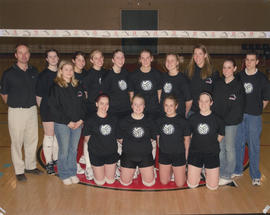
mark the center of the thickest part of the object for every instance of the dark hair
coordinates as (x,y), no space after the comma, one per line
(20,44)
(137,96)
(77,53)
(116,51)
(171,97)
(252,53)
(51,50)
(208,94)
(147,51)
(230,60)
(102,95)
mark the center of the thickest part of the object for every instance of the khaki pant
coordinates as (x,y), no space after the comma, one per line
(23,130)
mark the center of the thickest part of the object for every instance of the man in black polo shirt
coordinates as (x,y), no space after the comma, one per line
(18,91)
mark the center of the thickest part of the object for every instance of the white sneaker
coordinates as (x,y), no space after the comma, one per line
(89,173)
(236,175)
(256,182)
(82,160)
(224,181)
(67,181)
(79,169)
(74,179)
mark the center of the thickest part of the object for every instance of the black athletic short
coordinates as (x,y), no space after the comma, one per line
(209,160)
(131,162)
(101,160)
(175,159)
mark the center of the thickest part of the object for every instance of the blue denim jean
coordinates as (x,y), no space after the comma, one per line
(249,131)
(227,152)
(68,140)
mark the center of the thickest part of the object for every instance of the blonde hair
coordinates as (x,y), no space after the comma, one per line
(59,77)
(207,69)
(180,66)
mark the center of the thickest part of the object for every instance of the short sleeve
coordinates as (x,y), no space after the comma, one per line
(153,130)
(87,128)
(266,89)
(120,129)
(4,84)
(187,131)
(159,80)
(221,126)
(131,82)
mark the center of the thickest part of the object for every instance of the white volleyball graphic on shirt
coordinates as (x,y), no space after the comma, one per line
(167,87)
(248,88)
(168,129)
(146,85)
(203,129)
(105,129)
(122,85)
(138,132)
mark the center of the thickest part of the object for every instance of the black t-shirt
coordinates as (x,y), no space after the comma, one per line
(257,89)
(44,84)
(137,135)
(172,131)
(92,84)
(20,86)
(205,131)
(67,104)
(177,86)
(116,86)
(198,85)
(229,101)
(81,76)
(102,133)
(146,84)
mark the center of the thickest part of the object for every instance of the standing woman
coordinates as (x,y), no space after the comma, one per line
(136,132)
(93,80)
(174,139)
(228,98)
(67,104)
(78,59)
(44,84)
(115,85)
(207,131)
(200,74)
(146,81)
(175,83)
(100,135)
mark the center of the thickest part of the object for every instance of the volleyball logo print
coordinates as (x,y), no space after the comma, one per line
(122,85)
(146,85)
(138,132)
(105,129)
(167,87)
(248,88)
(203,129)
(168,129)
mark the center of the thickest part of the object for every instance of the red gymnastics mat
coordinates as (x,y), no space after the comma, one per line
(137,184)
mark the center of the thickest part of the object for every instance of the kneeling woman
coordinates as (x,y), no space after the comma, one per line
(174,139)
(100,135)
(136,133)
(207,131)
(67,104)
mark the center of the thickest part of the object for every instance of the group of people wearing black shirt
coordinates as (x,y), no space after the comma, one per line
(198,118)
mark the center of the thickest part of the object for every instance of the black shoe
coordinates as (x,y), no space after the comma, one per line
(21,177)
(50,168)
(55,163)
(35,171)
